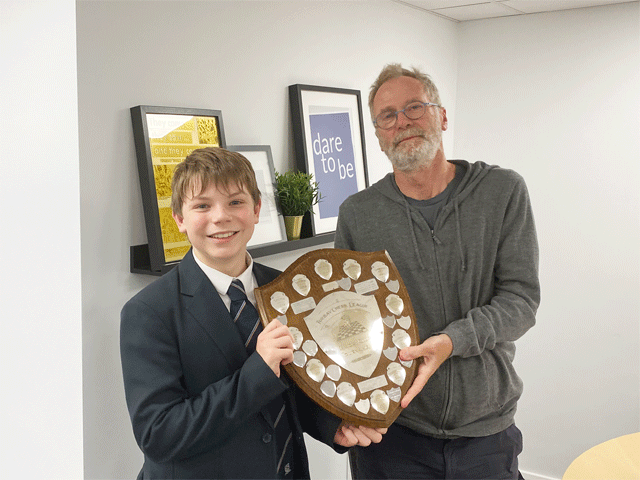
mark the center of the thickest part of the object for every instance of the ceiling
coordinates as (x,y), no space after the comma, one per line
(465,10)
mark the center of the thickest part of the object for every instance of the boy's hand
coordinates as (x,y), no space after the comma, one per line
(350,435)
(275,346)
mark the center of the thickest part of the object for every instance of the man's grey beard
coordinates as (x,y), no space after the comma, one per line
(418,157)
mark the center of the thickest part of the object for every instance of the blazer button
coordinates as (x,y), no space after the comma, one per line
(266,438)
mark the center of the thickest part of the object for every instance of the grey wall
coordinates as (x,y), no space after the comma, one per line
(582,65)
(238,57)
(557,98)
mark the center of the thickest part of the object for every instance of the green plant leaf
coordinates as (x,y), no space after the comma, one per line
(296,192)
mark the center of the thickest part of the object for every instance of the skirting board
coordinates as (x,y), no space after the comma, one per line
(525,474)
(535,476)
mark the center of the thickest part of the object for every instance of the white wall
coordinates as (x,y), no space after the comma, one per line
(557,98)
(40,344)
(127,56)
(238,57)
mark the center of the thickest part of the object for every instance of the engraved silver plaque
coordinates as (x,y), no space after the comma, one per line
(334,372)
(394,394)
(344,283)
(400,339)
(328,388)
(391,353)
(380,270)
(396,373)
(352,269)
(394,304)
(315,370)
(389,321)
(323,268)
(363,405)
(310,348)
(393,286)
(346,393)
(280,302)
(299,358)
(297,337)
(407,364)
(404,322)
(349,315)
(301,284)
(380,401)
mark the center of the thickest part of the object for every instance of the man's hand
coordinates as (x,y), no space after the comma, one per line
(434,351)
(350,435)
(275,346)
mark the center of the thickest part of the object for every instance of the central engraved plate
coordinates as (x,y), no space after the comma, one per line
(349,315)
(348,328)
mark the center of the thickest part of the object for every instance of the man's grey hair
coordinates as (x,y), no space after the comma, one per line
(394,70)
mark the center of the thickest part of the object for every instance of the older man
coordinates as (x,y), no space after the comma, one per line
(463,238)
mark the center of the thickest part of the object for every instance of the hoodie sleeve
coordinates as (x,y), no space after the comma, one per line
(516,292)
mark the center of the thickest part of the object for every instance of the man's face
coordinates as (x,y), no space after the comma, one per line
(219,224)
(409,144)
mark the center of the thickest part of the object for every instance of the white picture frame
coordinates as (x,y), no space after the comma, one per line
(270,228)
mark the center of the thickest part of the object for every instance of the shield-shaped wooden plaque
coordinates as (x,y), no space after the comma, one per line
(349,314)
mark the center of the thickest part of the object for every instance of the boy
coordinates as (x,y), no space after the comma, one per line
(205,399)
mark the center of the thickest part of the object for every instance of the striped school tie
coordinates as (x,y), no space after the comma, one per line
(245,316)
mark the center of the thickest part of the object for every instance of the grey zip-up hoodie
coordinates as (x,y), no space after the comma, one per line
(473,277)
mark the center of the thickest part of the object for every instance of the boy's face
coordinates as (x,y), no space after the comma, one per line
(219,224)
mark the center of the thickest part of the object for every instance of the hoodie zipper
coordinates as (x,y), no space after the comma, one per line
(448,394)
(471,178)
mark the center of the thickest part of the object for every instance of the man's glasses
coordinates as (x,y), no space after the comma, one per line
(413,111)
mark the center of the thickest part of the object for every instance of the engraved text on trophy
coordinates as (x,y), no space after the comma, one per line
(348,328)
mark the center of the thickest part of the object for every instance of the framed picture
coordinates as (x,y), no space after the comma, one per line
(163,137)
(270,229)
(329,142)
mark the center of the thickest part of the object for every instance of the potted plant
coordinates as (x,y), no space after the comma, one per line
(296,193)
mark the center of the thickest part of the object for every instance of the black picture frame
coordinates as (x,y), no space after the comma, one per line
(163,137)
(328,135)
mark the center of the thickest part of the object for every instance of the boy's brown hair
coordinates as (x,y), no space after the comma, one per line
(211,165)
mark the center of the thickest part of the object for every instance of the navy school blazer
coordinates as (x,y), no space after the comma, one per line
(197,401)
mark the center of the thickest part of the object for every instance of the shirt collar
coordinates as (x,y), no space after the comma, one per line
(222,281)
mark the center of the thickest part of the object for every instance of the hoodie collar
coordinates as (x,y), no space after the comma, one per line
(475,172)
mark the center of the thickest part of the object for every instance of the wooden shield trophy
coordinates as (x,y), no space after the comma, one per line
(349,314)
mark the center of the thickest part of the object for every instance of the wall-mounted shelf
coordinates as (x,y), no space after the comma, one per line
(281,247)
(140,263)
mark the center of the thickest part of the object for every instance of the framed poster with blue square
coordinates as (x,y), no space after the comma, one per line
(329,142)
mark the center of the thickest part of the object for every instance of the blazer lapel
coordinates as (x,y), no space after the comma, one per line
(207,308)
(264,274)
